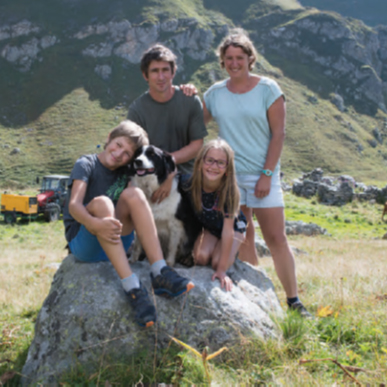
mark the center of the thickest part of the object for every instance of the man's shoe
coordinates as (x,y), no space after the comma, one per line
(300,308)
(145,312)
(170,284)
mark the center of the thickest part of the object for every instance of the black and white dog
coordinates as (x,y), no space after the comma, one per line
(176,224)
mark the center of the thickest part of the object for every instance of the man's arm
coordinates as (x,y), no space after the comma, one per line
(196,132)
(188,152)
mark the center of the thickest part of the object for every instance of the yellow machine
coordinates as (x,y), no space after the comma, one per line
(49,202)
(13,206)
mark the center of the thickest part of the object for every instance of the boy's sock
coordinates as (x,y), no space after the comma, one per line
(131,282)
(292,300)
(157,266)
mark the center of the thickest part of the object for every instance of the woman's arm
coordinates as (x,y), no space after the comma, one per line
(226,241)
(206,114)
(276,116)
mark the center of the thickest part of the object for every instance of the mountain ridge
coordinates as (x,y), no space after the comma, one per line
(67,79)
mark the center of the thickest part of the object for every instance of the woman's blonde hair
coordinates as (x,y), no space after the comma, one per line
(228,192)
(238,38)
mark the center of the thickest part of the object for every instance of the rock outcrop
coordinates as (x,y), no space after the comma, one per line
(330,191)
(129,41)
(86,316)
(347,52)
(24,54)
(336,191)
(302,228)
(116,38)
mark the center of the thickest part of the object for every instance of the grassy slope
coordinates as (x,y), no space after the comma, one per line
(62,109)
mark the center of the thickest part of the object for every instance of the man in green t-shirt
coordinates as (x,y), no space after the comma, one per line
(172,119)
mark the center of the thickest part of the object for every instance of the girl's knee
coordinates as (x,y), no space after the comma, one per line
(214,263)
(201,257)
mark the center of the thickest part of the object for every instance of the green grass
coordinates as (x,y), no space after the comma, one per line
(358,220)
(343,273)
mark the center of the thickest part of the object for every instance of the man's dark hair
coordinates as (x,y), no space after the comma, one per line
(159,53)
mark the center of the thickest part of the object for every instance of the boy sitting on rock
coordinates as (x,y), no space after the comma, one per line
(102,212)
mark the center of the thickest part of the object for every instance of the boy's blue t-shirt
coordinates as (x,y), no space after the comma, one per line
(100,181)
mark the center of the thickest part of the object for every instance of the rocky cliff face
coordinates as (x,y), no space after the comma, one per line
(28,51)
(348,53)
(122,39)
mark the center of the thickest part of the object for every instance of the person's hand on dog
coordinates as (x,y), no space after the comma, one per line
(262,188)
(109,229)
(189,89)
(164,190)
(224,279)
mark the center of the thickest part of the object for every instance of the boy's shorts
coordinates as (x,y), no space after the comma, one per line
(246,184)
(86,248)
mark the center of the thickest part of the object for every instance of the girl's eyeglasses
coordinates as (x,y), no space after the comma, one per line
(222,164)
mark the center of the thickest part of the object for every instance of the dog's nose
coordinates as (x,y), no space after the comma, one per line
(138,163)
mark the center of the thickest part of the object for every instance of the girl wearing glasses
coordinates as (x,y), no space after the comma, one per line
(215,198)
(250,112)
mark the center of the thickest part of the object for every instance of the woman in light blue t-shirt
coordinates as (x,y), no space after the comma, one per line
(250,112)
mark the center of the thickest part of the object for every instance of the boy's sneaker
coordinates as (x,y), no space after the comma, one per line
(145,312)
(170,284)
(300,308)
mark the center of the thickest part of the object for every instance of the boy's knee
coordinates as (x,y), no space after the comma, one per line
(101,204)
(133,195)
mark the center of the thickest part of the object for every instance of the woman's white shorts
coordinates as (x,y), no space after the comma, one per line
(246,184)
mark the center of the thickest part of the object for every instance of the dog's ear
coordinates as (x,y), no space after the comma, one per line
(169,162)
(130,169)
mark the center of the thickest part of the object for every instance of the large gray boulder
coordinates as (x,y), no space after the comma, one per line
(86,317)
(307,188)
(335,196)
(302,228)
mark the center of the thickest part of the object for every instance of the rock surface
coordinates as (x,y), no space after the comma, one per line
(348,53)
(336,191)
(299,227)
(86,316)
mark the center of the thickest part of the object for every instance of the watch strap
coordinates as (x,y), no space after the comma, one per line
(267,172)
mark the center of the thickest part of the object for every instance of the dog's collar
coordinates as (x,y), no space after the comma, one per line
(144,172)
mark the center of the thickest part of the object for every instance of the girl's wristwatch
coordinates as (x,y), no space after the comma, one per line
(267,172)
